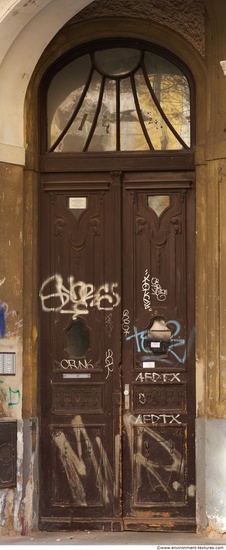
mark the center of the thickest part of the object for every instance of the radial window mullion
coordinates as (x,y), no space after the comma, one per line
(118,136)
(92,130)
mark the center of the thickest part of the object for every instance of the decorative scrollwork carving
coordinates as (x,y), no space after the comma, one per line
(59,224)
(140,223)
(177,225)
(95,224)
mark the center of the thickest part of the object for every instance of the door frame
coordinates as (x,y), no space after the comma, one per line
(160,180)
(187,162)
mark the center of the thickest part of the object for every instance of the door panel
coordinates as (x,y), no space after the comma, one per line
(80,351)
(158,354)
(117,393)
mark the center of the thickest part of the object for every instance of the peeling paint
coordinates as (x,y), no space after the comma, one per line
(3,495)
(34,334)
(117,465)
(200,386)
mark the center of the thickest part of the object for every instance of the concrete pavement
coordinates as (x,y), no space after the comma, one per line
(162,541)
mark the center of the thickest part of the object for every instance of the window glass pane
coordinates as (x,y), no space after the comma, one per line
(104,138)
(77,338)
(117,61)
(162,138)
(132,136)
(75,138)
(158,203)
(153,115)
(63,95)
(172,92)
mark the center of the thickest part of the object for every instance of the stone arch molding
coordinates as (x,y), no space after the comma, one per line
(26,28)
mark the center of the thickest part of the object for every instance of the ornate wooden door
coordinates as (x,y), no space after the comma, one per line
(117,386)
(80,352)
(158,352)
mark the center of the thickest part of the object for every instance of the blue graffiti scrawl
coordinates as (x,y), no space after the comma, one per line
(176,342)
(2,322)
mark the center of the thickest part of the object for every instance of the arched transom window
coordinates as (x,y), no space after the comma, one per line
(121,97)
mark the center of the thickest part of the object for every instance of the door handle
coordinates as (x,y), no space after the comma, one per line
(126,396)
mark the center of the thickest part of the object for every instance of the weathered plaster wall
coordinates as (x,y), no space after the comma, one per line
(11,284)
(11,303)
(216,475)
(215,172)
(211,269)
(18,393)
(211,475)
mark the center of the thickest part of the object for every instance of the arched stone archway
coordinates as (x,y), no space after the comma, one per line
(74,35)
(20,33)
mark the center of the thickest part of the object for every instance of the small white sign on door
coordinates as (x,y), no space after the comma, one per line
(148,364)
(77,203)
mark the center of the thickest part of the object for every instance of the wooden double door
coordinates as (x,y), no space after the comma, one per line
(117,381)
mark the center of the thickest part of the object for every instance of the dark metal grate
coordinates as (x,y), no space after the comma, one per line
(8,454)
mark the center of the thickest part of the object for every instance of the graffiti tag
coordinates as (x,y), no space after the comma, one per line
(55,296)
(176,342)
(157,290)
(158,377)
(12,397)
(158,419)
(67,364)
(166,475)
(109,362)
(108,324)
(146,290)
(125,322)
(4,314)
(76,462)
